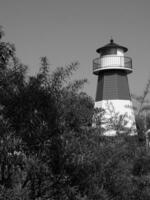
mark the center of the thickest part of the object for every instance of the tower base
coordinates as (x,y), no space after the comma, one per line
(115,117)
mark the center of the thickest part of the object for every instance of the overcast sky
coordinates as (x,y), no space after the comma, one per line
(70,30)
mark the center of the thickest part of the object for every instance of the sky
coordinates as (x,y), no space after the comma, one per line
(71,30)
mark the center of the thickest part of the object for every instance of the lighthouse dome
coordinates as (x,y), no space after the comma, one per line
(111,47)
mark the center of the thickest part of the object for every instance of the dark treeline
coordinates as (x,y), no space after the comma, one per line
(48,149)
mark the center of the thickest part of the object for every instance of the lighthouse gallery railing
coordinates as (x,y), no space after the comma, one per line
(112,62)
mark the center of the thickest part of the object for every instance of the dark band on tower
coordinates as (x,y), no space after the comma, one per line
(112,84)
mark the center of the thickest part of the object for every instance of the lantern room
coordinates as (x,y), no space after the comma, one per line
(112,56)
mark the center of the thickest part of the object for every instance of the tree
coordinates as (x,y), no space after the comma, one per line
(37,110)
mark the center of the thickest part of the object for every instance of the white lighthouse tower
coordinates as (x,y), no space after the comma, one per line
(115,111)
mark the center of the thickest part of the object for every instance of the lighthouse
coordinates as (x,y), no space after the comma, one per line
(113,103)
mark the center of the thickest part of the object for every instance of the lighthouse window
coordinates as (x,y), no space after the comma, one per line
(109,51)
